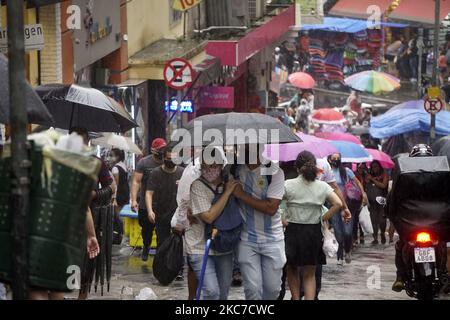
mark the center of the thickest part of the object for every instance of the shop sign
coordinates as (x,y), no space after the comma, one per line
(217,97)
(34,38)
(186,106)
(184,5)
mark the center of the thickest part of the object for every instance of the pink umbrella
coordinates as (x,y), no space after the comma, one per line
(328,116)
(338,136)
(385,160)
(321,148)
(302,80)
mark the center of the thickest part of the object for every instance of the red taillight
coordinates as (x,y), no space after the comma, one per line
(423,237)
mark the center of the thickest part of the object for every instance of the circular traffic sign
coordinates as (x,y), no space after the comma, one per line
(178,74)
(434,106)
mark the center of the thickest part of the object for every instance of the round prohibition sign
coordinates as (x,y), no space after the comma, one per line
(434,106)
(178,74)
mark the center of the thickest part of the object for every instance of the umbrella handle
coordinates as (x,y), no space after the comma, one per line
(202,272)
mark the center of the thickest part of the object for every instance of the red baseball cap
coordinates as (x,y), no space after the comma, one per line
(158,144)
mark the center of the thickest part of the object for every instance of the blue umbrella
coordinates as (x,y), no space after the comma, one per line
(409,105)
(352,152)
(408,118)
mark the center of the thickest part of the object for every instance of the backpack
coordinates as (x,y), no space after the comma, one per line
(228,224)
(123,189)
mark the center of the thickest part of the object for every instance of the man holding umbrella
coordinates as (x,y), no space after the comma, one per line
(261,252)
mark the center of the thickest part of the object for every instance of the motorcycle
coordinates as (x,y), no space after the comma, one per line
(423,253)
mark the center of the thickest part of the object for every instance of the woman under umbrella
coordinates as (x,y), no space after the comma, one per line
(377,182)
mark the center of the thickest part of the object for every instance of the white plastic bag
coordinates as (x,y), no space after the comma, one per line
(146,294)
(330,245)
(365,221)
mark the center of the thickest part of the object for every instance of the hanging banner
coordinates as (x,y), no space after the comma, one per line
(184,5)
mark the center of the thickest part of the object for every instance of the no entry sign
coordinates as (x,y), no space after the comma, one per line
(434,106)
(178,74)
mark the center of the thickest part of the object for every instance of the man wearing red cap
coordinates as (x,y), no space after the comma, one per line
(143,170)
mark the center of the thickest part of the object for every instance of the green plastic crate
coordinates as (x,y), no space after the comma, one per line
(57,217)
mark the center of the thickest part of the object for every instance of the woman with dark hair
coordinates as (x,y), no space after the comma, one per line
(377,182)
(305,198)
(344,229)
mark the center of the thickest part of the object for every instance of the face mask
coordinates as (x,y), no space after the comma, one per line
(335,163)
(211,174)
(169,164)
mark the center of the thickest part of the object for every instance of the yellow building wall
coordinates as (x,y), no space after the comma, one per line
(31,58)
(148,21)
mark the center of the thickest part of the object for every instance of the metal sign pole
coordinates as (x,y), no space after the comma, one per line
(20,162)
(435,63)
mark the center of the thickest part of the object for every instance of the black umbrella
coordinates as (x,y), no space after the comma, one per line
(76,106)
(235,128)
(37,112)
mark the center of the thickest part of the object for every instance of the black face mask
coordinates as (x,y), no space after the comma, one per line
(169,164)
(335,163)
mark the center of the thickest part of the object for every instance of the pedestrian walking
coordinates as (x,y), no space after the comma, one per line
(261,252)
(122,197)
(209,197)
(377,182)
(161,195)
(343,228)
(140,179)
(102,196)
(305,198)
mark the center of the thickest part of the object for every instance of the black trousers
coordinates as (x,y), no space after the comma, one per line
(147,228)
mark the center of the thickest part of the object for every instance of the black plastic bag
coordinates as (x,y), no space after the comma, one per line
(168,260)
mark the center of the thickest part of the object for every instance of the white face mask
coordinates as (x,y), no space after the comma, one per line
(211,174)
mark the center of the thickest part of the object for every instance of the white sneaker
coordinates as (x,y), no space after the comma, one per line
(348,257)
(340,262)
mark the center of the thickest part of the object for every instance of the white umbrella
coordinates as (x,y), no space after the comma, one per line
(115,141)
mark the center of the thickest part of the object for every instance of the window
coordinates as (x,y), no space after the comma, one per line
(175,16)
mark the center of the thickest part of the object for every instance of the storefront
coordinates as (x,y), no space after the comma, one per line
(248,62)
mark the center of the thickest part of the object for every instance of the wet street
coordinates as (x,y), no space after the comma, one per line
(368,277)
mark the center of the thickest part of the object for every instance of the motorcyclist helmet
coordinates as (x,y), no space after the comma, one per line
(421,150)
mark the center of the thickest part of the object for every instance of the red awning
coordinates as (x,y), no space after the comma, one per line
(358,9)
(234,53)
(420,11)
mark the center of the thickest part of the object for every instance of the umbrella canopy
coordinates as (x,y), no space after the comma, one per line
(409,105)
(385,160)
(234,129)
(36,110)
(321,148)
(76,106)
(442,147)
(302,80)
(338,136)
(373,82)
(399,121)
(111,140)
(351,152)
(328,116)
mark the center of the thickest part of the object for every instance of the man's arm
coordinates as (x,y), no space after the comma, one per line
(149,205)
(135,186)
(266,206)
(93,247)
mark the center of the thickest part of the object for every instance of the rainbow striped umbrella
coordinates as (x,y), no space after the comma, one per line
(374,82)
